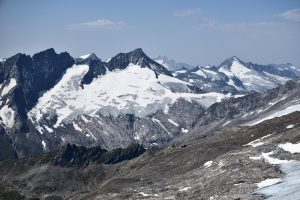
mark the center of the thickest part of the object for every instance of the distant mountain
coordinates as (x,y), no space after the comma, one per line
(288,67)
(234,75)
(50,99)
(171,65)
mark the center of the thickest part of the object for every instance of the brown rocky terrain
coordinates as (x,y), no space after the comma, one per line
(215,167)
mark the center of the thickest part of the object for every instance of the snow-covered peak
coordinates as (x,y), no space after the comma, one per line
(133,90)
(235,58)
(171,64)
(90,56)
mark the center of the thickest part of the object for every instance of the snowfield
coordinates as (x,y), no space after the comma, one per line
(134,90)
(292,148)
(280,113)
(288,188)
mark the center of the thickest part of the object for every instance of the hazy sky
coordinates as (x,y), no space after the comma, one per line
(192,31)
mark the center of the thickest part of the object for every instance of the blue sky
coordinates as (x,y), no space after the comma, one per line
(192,31)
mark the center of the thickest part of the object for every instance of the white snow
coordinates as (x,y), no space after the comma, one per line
(84,119)
(179,72)
(245,115)
(44,145)
(279,113)
(275,102)
(208,164)
(158,121)
(91,134)
(134,90)
(267,158)
(48,129)
(76,127)
(290,126)
(289,187)
(257,142)
(184,130)
(268,182)
(7,116)
(292,148)
(85,56)
(61,100)
(137,137)
(12,83)
(144,194)
(226,123)
(200,72)
(184,189)
(172,122)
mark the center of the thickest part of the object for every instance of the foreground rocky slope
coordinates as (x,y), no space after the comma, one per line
(249,109)
(232,164)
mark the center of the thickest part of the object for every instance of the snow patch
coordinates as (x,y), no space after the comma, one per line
(158,121)
(172,122)
(76,127)
(226,123)
(184,189)
(48,129)
(280,113)
(208,164)
(292,148)
(268,182)
(44,145)
(289,187)
(7,116)
(290,126)
(144,194)
(257,142)
(269,159)
(184,130)
(12,83)
(200,72)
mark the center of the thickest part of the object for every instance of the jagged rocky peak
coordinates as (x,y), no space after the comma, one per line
(91,56)
(228,62)
(137,57)
(171,64)
(30,78)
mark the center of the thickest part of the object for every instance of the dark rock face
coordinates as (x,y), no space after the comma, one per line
(96,68)
(33,76)
(7,150)
(122,60)
(39,73)
(272,70)
(79,156)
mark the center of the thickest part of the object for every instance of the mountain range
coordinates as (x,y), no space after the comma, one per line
(49,100)
(133,127)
